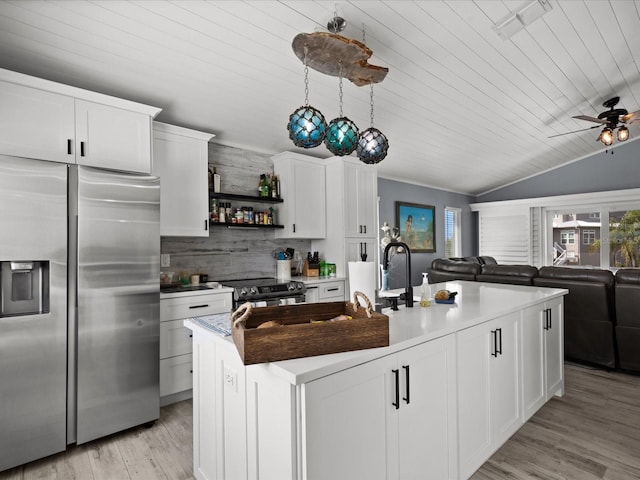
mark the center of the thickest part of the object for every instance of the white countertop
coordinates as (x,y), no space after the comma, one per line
(476,302)
(190,293)
(314,280)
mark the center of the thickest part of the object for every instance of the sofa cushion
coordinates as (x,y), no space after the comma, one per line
(511,274)
(444,269)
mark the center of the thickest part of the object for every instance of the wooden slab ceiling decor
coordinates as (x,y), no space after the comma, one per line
(333,54)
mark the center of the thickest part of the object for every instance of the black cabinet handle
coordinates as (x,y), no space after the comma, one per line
(406,377)
(206,225)
(199,306)
(294,228)
(360,227)
(82,149)
(396,374)
(69,146)
(365,228)
(499,350)
(547,318)
(494,352)
(333,289)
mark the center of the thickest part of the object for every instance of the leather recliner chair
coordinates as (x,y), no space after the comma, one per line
(627,301)
(589,312)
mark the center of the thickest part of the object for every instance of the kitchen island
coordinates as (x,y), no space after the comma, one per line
(455,382)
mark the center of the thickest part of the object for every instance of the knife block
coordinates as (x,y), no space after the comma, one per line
(311,269)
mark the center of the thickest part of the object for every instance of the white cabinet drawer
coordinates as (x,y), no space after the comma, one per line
(176,374)
(331,291)
(175,339)
(194,306)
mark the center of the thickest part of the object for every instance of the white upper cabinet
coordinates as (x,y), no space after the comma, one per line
(36,124)
(113,138)
(302,186)
(180,159)
(352,208)
(360,183)
(50,121)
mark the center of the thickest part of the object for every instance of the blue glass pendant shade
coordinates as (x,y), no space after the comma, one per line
(342,136)
(307,127)
(372,146)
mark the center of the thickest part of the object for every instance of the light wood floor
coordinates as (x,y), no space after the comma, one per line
(593,432)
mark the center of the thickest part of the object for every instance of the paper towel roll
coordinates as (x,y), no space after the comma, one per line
(363,278)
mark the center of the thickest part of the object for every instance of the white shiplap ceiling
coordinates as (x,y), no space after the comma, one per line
(463,109)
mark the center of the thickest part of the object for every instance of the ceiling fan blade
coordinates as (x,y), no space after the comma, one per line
(591,119)
(630,117)
(575,131)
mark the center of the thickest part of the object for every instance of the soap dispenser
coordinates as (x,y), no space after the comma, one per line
(425,291)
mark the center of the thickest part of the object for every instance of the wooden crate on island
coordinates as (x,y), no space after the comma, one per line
(269,334)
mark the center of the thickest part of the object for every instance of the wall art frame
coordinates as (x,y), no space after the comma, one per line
(417,226)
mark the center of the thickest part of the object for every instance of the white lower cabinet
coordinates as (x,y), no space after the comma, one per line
(324,292)
(542,355)
(176,371)
(434,410)
(387,419)
(488,389)
(219,412)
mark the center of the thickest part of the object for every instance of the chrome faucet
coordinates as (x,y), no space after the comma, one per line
(408,289)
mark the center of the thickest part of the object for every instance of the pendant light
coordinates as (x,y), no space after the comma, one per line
(307,126)
(372,145)
(342,133)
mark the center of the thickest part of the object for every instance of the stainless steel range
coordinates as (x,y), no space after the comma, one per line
(263,292)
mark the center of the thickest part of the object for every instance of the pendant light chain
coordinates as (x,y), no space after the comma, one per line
(306,77)
(371,103)
(340,89)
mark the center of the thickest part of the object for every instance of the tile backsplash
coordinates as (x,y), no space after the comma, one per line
(232,253)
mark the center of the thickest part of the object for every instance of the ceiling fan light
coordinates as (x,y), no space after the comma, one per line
(606,137)
(623,134)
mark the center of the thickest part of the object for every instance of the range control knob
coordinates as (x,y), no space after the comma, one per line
(299,285)
(253,290)
(291,286)
(243,292)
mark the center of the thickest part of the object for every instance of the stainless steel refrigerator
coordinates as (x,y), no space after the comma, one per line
(79,305)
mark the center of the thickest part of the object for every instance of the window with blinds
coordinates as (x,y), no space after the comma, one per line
(452,232)
(506,238)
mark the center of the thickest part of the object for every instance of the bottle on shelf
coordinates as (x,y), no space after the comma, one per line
(214,210)
(216,180)
(275,187)
(263,186)
(425,291)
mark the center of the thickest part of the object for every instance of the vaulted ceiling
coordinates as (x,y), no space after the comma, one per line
(463,109)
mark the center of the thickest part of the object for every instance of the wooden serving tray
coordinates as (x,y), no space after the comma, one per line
(297,337)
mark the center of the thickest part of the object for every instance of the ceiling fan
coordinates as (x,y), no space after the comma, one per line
(611,119)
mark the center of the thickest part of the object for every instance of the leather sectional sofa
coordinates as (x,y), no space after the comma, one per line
(601,310)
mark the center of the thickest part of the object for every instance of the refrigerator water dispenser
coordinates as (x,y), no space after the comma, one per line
(24,288)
